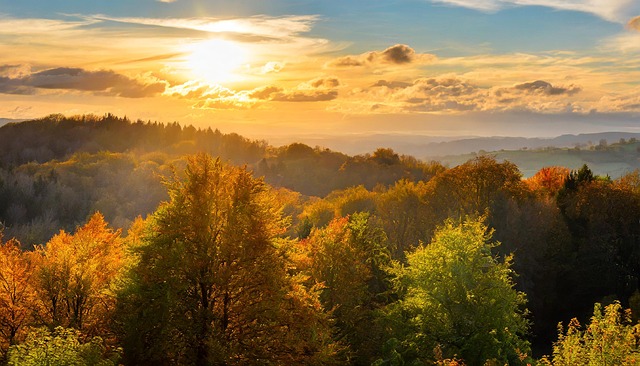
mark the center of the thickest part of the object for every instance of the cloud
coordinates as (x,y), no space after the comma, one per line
(27,26)
(222,104)
(15,71)
(612,10)
(543,87)
(12,86)
(634,23)
(278,94)
(326,83)
(265,93)
(306,96)
(391,84)
(272,67)
(452,94)
(102,82)
(399,54)
(262,25)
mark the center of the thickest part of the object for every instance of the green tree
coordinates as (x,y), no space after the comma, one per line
(62,347)
(609,339)
(214,284)
(458,299)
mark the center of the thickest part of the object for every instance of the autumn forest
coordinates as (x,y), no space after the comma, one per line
(143,243)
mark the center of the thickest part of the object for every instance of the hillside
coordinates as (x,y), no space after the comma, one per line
(57,170)
(615,159)
(428,147)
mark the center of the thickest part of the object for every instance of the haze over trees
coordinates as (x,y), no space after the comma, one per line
(121,246)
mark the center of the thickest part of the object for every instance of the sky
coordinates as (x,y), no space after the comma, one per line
(329,67)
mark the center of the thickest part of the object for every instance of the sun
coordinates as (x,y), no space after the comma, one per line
(216,61)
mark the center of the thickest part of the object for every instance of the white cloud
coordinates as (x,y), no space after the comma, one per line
(619,11)
(261,25)
(30,26)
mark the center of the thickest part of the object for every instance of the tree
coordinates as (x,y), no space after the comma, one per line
(475,187)
(459,299)
(17,296)
(214,284)
(548,180)
(405,216)
(76,275)
(62,347)
(609,339)
(348,258)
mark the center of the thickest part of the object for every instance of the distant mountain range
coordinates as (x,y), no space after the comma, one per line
(4,121)
(429,147)
(602,152)
(530,154)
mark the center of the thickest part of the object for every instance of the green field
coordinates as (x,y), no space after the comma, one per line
(614,160)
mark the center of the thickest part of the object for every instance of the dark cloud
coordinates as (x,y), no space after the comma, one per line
(347,61)
(634,23)
(103,82)
(399,54)
(443,88)
(327,83)
(13,86)
(391,84)
(543,87)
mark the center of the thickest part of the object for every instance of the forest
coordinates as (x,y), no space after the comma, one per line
(142,243)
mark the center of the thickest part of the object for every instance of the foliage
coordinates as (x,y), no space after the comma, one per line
(75,277)
(548,180)
(348,259)
(212,285)
(62,347)
(575,235)
(609,339)
(406,215)
(17,296)
(458,298)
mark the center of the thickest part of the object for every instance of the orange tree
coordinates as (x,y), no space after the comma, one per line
(17,296)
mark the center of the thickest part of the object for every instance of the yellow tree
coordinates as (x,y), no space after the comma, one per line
(17,297)
(214,284)
(609,339)
(76,275)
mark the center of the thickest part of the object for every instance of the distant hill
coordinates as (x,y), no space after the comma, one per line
(4,121)
(423,146)
(613,159)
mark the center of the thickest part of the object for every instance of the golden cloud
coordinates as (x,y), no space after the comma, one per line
(398,54)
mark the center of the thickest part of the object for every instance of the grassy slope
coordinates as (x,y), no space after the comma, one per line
(615,160)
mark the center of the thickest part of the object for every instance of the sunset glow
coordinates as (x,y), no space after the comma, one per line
(291,68)
(216,61)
